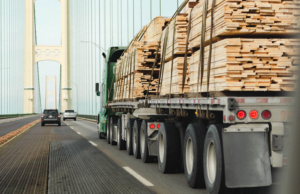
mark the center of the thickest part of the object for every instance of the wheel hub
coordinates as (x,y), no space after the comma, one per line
(189,156)
(211,161)
(161,148)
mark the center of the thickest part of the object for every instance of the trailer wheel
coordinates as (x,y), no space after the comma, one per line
(136,139)
(193,155)
(181,126)
(214,173)
(129,136)
(108,129)
(120,142)
(113,123)
(144,143)
(168,148)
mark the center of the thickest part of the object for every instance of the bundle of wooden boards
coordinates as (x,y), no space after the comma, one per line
(133,70)
(236,18)
(180,25)
(177,76)
(155,29)
(239,64)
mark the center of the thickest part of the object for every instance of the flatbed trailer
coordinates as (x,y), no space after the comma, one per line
(236,142)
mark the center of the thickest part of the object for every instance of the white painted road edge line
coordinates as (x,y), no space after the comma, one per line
(71,127)
(78,133)
(138,177)
(93,143)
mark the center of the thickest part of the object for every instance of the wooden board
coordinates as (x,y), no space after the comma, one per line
(177,76)
(238,18)
(248,65)
(181,28)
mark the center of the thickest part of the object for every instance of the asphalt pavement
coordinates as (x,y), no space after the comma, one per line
(12,124)
(160,183)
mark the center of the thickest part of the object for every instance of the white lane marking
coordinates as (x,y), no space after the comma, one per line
(78,133)
(93,143)
(71,127)
(138,177)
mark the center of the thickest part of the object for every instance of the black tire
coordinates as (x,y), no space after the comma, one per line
(64,119)
(120,142)
(74,119)
(129,136)
(144,143)
(59,124)
(113,123)
(108,130)
(136,139)
(193,155)
(181,126)
(101,135)
(214,178)
(168,148)
(42,124)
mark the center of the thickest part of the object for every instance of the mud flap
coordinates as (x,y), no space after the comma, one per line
(246,156)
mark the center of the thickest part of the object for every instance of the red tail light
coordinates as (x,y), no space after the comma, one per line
(42,115)
(58,115)
(266,114)
(158,126)
(152,126)
(253,114)
(241,114)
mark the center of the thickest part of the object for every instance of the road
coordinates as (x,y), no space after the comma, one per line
(11,124)
(163,183)
(71,159)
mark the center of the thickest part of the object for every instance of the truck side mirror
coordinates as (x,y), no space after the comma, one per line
(97,87)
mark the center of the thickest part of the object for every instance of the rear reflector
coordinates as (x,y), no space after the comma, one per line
(158,126)
(152,126)
(266,114)
(253,114)
(231,118)
(241,114)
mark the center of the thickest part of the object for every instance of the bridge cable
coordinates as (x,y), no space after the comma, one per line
(35,37)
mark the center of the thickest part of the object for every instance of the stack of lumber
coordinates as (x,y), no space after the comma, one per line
(236,18)
(177,76)
(239,64)
(133,69)
(181,28)
(180,23)
(155,29)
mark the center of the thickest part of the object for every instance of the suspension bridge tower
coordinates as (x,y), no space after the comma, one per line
(35,53)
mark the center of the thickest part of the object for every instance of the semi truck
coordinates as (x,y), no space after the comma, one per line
(238,143)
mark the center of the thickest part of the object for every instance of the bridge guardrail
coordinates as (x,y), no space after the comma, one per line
(15,115)
(88,117)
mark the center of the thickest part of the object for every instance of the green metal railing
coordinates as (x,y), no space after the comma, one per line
(14,115)
(92,117)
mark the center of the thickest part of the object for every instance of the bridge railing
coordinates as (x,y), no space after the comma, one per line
(90,117)
(14,115)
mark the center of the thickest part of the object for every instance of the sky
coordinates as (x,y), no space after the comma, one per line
(117,27)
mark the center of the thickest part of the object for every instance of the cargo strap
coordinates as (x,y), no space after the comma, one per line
(201,55)
(186,51)
(122,77)
(209,55)
(161,70)
(154,64)
(131,91)
(172,62)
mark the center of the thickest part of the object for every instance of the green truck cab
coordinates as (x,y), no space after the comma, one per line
(106,86)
